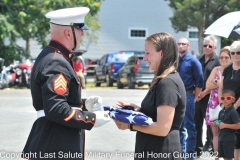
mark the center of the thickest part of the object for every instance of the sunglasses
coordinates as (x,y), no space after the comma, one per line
(227,98)
(209,46)
(183,44)
(233,53)
(222,57)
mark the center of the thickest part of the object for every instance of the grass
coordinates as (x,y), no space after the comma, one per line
(104,85)
(18,87)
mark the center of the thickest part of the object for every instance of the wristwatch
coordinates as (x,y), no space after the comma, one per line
(131,127)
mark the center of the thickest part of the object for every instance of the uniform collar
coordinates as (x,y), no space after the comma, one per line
(61,49)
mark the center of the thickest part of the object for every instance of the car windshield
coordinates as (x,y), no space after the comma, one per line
(119,57)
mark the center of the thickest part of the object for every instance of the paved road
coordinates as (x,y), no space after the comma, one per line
(17,116)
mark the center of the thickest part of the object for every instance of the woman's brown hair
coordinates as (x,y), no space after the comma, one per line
(225,50)
(166,43)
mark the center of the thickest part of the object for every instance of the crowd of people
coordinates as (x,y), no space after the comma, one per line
(219,73)
(209,80)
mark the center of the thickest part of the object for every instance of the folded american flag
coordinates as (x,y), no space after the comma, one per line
(128,116)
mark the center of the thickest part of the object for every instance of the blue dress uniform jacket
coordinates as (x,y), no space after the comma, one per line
(55,89)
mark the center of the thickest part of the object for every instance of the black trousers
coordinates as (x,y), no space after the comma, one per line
(200,112)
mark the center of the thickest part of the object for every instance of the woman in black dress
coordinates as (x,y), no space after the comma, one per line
(231,81)
(165,103)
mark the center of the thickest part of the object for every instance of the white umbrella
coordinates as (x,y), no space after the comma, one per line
(225,26)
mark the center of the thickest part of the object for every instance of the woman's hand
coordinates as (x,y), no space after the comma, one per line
(122,104)
(203,94)
(237,103)
(121,125)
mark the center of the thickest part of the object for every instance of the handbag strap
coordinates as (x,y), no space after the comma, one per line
(219,73)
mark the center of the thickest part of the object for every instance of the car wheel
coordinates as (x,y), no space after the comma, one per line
(119,84)
(131,84)
(97,84)
(109,80)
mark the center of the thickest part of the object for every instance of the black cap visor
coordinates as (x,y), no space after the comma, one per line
(80,26)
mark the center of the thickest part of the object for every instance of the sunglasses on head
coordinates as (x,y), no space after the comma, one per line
(223,57)
(209,46)
(183,44)
(233,53)
(227,98)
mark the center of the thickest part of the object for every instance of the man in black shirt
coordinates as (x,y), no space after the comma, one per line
(209,60)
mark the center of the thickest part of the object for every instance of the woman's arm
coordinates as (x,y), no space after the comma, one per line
(165,115)
(210,84)
(203,94)
(237,103)
(220,90)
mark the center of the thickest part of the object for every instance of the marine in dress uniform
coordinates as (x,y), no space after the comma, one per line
(58,132)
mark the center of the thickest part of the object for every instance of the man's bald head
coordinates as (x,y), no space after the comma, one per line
(62,33)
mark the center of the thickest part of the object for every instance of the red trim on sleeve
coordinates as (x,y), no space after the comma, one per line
(70,116)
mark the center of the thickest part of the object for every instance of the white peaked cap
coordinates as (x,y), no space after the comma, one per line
(69,16)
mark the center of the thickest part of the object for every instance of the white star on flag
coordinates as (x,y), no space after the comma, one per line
(149,121)
(112,114)
(130,118)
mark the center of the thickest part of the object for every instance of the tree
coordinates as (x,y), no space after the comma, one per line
(199,13)
(10,51)
(27,19)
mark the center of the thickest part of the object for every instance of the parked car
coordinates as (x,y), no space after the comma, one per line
(108,66)
(134,72)
(91,64)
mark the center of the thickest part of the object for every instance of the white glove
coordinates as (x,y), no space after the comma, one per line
(94,103)
(102,118)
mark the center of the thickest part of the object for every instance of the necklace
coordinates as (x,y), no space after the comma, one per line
(233,74)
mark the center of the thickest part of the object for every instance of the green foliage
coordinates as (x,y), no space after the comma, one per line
(226,42)
(10,53)
(26,19)
(199,13)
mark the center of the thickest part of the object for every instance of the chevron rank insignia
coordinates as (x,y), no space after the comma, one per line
(60,84)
